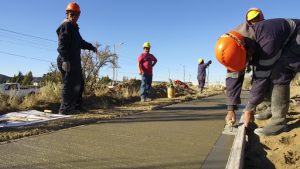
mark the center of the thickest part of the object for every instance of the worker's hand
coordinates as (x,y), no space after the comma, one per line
(66,66)
(248,118)
(209,62)
(230,118)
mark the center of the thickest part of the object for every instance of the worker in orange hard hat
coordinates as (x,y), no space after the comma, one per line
(274,55)
(69,48)
(201,75)
(253,15)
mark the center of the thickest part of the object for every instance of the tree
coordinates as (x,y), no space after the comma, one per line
(104,80)
(27,79)
(17,78)
(92,63)
(52,76)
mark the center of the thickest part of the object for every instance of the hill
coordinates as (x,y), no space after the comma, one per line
(4,78)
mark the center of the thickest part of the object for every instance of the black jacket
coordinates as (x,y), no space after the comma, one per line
(70,44)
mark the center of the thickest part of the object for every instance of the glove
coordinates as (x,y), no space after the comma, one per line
(209,62)
(66,66)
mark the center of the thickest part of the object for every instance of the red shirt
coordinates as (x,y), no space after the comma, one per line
(146,63)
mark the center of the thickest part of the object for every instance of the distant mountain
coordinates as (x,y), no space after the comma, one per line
(4,78)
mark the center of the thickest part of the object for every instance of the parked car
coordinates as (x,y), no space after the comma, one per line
(15,89)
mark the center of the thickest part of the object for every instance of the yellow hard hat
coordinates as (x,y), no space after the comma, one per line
(252,14)
(146,45)
(200,60)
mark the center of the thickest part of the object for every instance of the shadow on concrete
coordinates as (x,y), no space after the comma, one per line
(215,107)
(175,113)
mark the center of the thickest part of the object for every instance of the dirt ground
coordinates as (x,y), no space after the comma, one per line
(281,151)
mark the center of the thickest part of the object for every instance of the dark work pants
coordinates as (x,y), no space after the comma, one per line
(201,83)
(72,88)
(286,68)
(145,85)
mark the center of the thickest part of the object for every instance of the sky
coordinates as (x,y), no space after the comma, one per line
(180,32)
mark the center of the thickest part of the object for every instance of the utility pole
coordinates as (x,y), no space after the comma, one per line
(115,66)
(183,73)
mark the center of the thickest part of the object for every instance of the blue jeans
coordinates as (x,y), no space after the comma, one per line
(145,86)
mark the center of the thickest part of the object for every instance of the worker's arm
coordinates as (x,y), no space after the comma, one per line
(154,61)
(88,46)
(64,41)
(234,83)
(139,64)
(207,64)
(139,68)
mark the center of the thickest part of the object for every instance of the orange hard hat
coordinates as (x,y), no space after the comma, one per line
(230,51)
(72,6)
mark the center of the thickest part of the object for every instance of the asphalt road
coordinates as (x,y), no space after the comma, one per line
(180,136)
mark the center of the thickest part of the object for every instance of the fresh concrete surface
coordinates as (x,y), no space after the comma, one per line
(176,137)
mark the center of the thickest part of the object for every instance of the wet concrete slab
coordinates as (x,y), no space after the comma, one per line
(180,136)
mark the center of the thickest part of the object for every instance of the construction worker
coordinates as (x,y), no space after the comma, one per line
(69,48)
(202,73)
(253,15)
(275,55)
(146,62)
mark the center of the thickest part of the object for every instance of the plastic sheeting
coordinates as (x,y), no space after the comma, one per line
(22,118)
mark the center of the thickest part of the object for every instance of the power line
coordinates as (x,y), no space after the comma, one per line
(28,35)
(27,57)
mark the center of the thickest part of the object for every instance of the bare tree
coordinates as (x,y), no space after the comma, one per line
(92,63)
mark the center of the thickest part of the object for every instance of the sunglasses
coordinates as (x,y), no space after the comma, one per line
(74,14)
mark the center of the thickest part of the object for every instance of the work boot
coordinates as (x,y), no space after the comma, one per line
(265,106)
(280,106)
(264,115)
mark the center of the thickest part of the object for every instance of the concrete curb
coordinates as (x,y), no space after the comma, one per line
(237,154)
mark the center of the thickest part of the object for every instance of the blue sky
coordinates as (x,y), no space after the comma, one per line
(180,32)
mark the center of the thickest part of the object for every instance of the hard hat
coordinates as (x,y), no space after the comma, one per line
(253,13)
(72,6)
(200,60)
(146,45)
(230,51)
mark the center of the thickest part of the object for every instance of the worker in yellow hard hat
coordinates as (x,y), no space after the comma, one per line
(146,62)
(69,48)
(275,56)
(254,15)
(201,75)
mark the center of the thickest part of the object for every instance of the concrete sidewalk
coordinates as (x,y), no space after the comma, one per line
(176,137)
